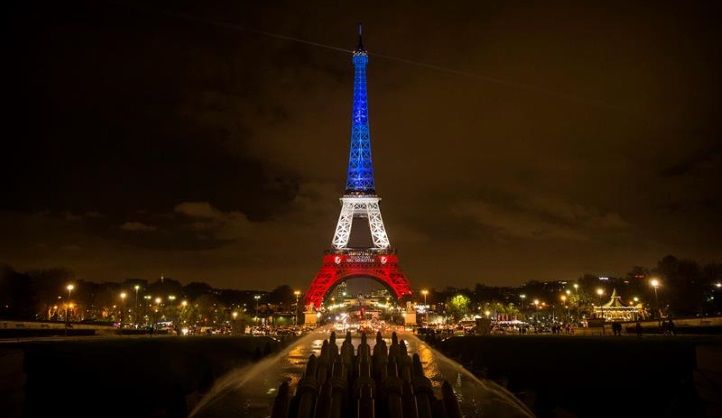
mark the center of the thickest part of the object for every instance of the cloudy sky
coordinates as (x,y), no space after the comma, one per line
(512,140)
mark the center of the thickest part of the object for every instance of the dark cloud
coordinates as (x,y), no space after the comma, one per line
(543,140)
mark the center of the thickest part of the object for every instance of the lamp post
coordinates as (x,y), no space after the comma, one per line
(70,288)
(123,295)
(536,307)
(426,307)
(145,308)
(157,309)
(256,297)
(295,312)
(600,293)
(174,312)
(135,317)
(655,284)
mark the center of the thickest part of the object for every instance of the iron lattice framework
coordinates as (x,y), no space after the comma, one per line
(359,201)
(338,267)
(360,207)
(360,174)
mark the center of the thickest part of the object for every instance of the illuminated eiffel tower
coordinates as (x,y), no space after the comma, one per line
(378,261)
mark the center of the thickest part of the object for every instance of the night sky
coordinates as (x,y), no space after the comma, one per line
(512,140)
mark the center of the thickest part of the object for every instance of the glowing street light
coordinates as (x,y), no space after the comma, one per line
(295,313)
(600,292)
(135,316)
(426,309)
(123,295)
(70,288)
(256,297)
(655,284)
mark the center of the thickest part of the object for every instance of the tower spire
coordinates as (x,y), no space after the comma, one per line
(360,46)
(360,174)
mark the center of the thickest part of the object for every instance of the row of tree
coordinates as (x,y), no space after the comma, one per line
(42,294)
(686,288)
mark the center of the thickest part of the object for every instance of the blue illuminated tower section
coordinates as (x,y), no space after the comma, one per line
(360,174)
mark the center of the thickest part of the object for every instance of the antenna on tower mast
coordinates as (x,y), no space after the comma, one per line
(360,46)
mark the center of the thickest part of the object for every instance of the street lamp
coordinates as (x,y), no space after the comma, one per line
(535,302)
(70,288)
(600,293)
(137,288)
(123,295)
(295,312)
(256,297)
(157,309)
(655,284)
(426,308)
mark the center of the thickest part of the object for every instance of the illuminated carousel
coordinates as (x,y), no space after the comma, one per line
(616,310)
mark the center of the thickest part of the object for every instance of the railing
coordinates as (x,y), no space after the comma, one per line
(361,251)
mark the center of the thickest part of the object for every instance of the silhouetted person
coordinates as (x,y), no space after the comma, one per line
(638,328)
(670,327)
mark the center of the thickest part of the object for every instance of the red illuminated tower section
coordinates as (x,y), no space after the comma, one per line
(359,202)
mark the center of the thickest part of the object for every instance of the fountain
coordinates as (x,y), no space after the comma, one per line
(357,377)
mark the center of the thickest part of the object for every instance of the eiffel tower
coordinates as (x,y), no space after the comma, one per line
(376,259)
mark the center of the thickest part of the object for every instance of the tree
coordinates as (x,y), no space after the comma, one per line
(282,295)
(459,305)
(196,289)
(17,299)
